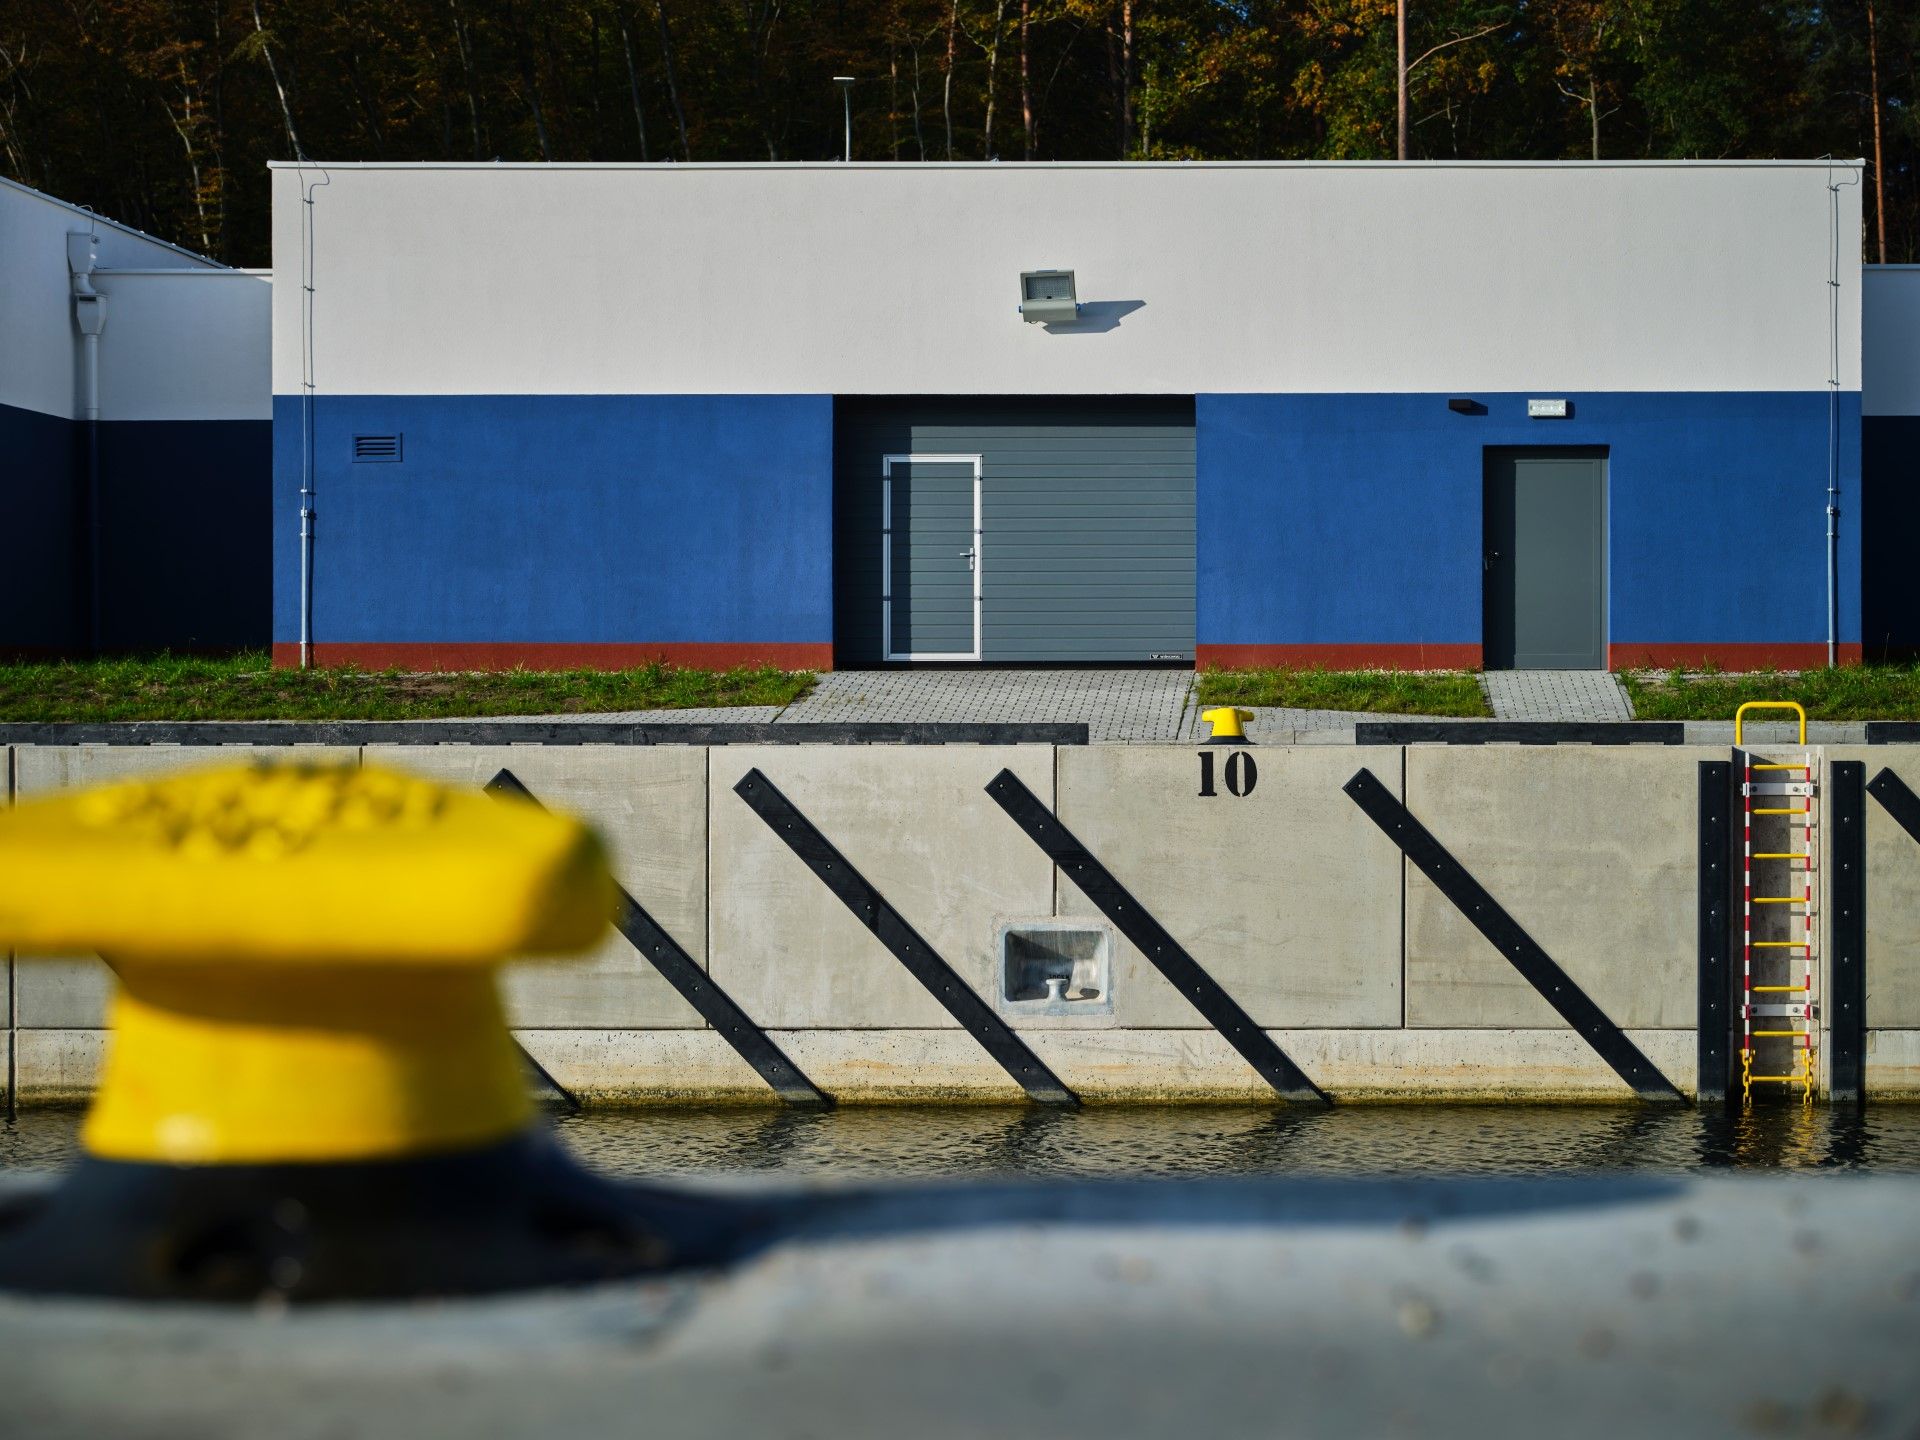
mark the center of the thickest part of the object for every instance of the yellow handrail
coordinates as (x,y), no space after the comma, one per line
(1739,715)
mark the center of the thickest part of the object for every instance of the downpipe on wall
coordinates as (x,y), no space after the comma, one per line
(1833,412)
(306,414)
(90,317)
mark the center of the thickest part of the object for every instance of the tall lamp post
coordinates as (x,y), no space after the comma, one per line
(845,82)
(1400,45)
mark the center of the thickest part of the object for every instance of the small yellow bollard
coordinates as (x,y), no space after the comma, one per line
(311,1088)
(1226,721)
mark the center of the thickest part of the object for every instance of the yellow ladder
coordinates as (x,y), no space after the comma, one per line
(1788,808)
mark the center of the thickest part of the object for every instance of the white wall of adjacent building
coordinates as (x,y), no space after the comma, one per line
(1890,340)
(185,338)
(888,279)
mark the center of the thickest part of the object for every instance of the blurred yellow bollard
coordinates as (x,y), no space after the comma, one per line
(311,1089)
(305,955)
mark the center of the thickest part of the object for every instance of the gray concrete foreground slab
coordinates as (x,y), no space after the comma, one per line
(1596,1307)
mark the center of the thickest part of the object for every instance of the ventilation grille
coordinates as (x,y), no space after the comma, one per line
(376,448)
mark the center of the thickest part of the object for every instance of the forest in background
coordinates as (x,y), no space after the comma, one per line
(163,113)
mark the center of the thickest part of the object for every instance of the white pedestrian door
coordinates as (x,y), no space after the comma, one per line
(930,557)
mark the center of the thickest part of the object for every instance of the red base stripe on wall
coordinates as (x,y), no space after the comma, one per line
(1726,655)
(558,655)
(1339,657)
(1729,655)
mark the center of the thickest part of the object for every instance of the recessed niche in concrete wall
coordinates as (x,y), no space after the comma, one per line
(1055,967)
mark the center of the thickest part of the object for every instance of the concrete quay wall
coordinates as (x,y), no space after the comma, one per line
(1295,903)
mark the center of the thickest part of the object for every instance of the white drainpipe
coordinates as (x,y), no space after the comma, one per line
(90,317)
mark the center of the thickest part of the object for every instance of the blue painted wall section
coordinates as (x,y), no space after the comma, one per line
(1356,519)
(582,519)
(185,534)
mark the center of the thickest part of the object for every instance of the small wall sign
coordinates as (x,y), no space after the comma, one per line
(1546,409)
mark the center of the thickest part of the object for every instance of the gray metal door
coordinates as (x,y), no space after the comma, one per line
(1545,563)
(930,557)
(1087,516)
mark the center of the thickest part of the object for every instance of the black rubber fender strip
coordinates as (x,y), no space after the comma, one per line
(1165,953)
(696,987)
(1506,935)
(905,944)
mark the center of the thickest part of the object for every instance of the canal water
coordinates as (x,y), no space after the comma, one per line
(899,1141)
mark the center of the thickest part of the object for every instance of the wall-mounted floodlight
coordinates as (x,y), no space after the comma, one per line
(1046,297)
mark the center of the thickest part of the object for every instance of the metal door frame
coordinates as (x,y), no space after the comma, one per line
(886,555)
(1603,453)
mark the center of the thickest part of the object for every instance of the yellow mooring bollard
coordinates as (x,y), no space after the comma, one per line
(1226,722)
(311,1089)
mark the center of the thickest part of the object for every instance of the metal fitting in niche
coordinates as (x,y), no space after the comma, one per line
(1055,967)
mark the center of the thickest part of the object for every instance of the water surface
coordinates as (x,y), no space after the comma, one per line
(879,1142)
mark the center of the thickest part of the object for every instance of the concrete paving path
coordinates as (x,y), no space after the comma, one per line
(1117,705)
(1157,706)
(1556,695)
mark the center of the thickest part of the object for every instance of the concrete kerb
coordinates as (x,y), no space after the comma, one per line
(58,1065)
(907,1065)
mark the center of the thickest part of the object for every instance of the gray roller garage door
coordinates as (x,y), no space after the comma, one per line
(1084,548)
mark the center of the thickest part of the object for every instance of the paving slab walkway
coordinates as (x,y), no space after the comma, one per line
(1117,705)
(1556,695)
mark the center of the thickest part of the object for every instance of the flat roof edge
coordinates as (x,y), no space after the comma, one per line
(907,166)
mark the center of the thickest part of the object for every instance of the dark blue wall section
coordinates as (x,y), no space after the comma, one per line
(1356,519)
(1890,514)
(186,531)
(187,538)
(582,519)
(40,505)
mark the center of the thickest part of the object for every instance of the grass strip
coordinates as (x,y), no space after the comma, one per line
(246,687)
(1373,692)
(1852,692)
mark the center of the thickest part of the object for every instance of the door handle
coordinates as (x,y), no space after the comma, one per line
(968,555)
(1486,561)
